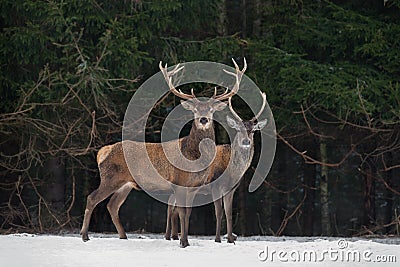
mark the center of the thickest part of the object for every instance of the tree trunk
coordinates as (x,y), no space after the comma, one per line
(257,18)
(55,188)
(389,197)
(309,173)
(324,192)
(267,209)
(242,207)
(244,19)
(222,23)
(280,200)
(369,195)
(53,191)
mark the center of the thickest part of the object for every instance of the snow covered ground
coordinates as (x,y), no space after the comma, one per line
(153,250)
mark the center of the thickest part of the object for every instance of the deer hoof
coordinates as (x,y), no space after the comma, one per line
(167,238)
(123,237)
(85,237)
(218,240)
(175,237)
(231,240)
(184,244)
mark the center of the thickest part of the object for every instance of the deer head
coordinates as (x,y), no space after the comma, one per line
(203,110)
(246,129)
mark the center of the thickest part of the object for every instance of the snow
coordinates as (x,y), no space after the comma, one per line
(153,250)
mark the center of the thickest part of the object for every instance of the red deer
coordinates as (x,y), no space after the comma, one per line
(235,165)
(117,180)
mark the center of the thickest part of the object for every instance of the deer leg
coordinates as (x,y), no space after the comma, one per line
(93,199)
(228,199)
(218,216)
(182,217)
(172,219)
(113,206)
(189,201)
(168,227)
(174,224)
(182,200)
(187,218)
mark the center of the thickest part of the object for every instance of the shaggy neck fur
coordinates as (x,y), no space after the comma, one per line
(241,158)
(190,144)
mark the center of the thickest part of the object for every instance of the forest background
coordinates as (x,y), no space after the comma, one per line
(330,69)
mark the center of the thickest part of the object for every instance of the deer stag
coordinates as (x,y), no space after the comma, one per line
(118,181)
(234,164)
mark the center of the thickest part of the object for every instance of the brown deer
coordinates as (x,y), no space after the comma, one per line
(234,164)
(117,180)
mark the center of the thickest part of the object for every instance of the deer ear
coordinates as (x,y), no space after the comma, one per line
(231,122)
(219,106)
(188,105)
(260,125)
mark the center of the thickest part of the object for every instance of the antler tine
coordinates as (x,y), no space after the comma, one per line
(168,78)
(235,64)
(244,65)
(237,68)
(232,111)
(238,75)
(264,97)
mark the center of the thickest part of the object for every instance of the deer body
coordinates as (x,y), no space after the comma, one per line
(241,154)
(241,159)
(117,179)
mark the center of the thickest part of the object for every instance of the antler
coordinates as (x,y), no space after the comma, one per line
(238,75)
(264,97)
(232,111)
(168,79)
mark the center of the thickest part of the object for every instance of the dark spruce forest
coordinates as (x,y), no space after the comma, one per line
(330,70)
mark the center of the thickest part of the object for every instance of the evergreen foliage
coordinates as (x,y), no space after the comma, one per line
(331,71)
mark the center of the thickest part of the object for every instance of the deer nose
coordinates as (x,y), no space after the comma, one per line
(203,120)
(246,142)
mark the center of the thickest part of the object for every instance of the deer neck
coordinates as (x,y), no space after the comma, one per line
(192,141)
(242,157)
